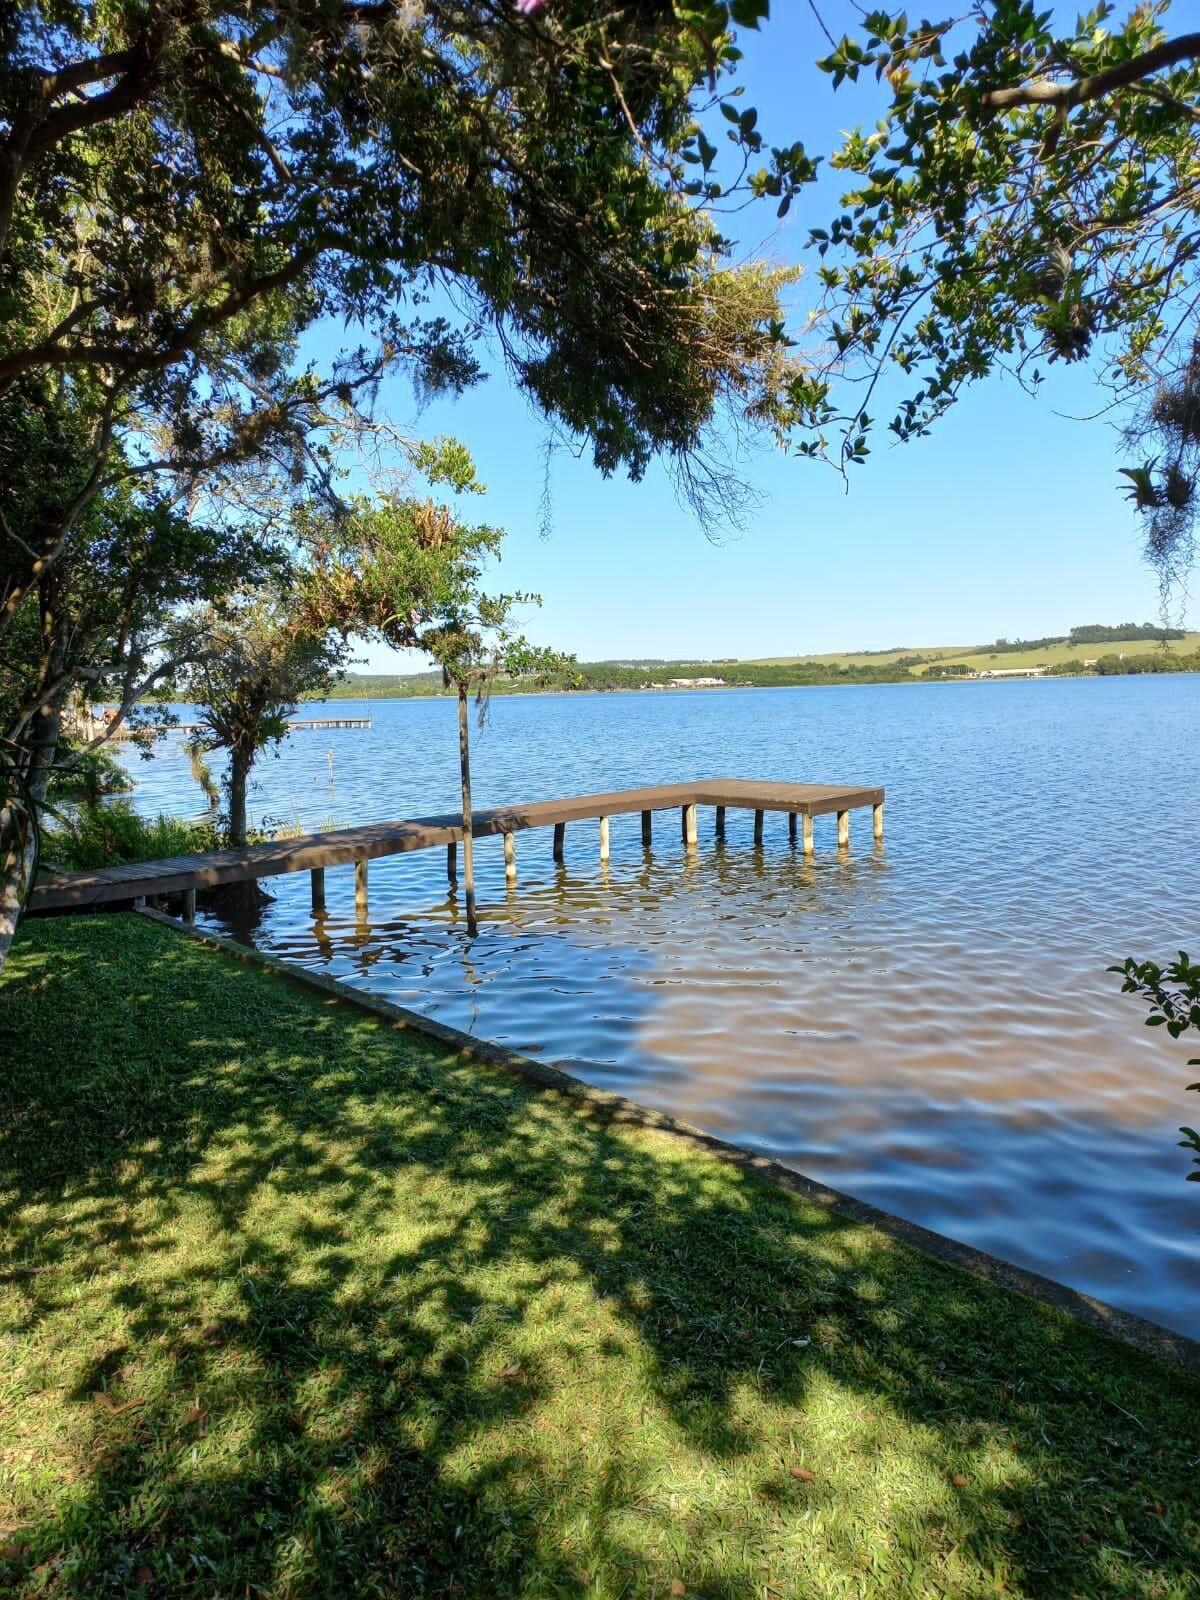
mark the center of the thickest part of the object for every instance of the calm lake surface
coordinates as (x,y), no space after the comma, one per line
(928,1025)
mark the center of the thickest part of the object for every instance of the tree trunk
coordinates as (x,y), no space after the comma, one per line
(241,758)
(18,856)
(464,764)
(19,807)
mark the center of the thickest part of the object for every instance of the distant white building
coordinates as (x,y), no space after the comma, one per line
(1014,672)
(696,683)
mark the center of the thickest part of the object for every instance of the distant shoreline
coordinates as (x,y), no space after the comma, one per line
(1095,650)
(587,691)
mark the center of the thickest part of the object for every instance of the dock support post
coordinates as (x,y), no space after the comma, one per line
(720,822)
(689,827)
(560,835)
(510,858)
(791,827)
(877,819)
(360,886)
(647,829)
(318,888)
(843,829)
(808,834)
(189,905)
(758,827)
(452,863)
(603,839)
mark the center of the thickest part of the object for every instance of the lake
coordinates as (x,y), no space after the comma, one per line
(928,1024)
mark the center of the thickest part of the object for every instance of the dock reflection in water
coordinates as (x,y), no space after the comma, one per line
(928,1025)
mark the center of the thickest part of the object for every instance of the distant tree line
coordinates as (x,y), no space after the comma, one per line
(1096,633)
(1092,633)
(1115,666)
(598,676)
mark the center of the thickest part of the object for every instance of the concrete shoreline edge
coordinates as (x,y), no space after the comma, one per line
(1140,1333)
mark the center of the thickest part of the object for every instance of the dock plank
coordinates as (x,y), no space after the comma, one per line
(340,847)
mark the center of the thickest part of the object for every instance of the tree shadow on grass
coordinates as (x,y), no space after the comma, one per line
(296,1305)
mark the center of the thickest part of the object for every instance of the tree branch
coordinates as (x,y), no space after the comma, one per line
(1098,84)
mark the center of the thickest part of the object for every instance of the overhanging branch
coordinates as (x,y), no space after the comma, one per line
(1098,84)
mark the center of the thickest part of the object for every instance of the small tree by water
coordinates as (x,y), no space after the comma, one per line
(416,572)
(267,651)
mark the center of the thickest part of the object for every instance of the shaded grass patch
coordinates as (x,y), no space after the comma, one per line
(295,1304)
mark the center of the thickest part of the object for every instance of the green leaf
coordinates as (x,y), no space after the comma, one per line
(749,13)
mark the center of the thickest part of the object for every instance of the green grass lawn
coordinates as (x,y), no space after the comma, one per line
(295,1304)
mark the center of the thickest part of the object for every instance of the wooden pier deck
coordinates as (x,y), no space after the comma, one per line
(314,852)
(295,724)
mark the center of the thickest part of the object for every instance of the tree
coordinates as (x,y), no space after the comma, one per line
(1028,196)
(267,649)
(396,568)
(169,174)
(185,191)
(410,573)
(474,642)
(96,624)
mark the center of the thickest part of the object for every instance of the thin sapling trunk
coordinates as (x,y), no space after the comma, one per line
(464,763)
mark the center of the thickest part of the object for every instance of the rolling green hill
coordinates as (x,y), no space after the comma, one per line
(1120,648)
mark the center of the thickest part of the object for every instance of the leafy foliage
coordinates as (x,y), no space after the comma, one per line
(187,191)
(179,183)
(1030,195)
(1172,994)
(96,622)
(265,649)
(87,775)
(103,834)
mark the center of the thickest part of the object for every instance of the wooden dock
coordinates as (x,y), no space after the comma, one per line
(295,724)
(314,852)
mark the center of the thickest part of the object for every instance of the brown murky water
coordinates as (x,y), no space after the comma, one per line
(928,1025)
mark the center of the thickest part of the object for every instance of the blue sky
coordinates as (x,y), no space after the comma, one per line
(1008,521)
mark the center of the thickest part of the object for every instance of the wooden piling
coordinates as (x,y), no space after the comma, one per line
(877,819)
(318,888)
(189,905)
(603,839)
(647,829)
(452,862)
(808,835)
(843,829)
(720,822)
(689,827)
(510,858)
(758,827)
(360,886)
(791,827)
(560,835)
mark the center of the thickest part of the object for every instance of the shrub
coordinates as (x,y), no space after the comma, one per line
(104,834)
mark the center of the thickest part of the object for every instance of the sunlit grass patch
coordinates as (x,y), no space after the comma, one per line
(294,1304)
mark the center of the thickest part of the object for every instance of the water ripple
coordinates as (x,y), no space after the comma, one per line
(928,1025)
